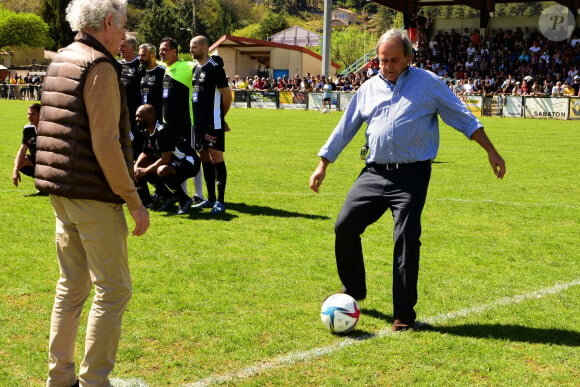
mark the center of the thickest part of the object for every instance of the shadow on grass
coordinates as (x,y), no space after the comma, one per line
(360,334)
(377,314)
(255,210)
(198,213)
(487,331)
(510,332)
(36,194)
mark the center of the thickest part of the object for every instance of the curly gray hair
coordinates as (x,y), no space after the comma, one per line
(89,14)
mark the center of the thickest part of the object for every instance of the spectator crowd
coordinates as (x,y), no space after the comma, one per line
(520,62)
(15,86)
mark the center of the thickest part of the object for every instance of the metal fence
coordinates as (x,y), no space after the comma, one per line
(27,92)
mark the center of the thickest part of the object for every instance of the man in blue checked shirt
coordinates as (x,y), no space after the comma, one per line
(400,106)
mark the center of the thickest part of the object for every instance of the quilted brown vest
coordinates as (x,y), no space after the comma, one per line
(65,161)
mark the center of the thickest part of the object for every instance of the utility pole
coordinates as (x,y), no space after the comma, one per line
(194,25)
(326,38)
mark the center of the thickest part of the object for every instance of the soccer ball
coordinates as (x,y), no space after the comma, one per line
(340,313)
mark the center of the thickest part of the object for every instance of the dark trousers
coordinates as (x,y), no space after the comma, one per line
(157,182)
(377,189)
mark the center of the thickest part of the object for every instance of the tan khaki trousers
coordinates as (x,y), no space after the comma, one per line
(91,242)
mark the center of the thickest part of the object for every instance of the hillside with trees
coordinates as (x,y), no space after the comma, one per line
(153,20)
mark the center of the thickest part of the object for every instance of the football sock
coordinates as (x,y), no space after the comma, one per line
(143,191)
(198,183)
(209,177)
(174,182)
(221,177)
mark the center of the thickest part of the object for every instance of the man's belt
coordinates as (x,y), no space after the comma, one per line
(395,166)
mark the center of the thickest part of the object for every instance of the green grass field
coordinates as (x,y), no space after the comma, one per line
(235,299)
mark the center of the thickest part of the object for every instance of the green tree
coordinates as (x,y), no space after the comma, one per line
(445,12)
(133,17)
(251,31)
(271,24)
(457,11)
(217,18)
(244,11)
(387,18)
(162,20)
(141,4)
(22,29)
(53,13)
(534,8)
(352,4)
(27,6)
(289,7)
(351,44)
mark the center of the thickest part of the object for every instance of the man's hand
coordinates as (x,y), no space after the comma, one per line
(497,164)
(318,175)
(141,218)
(139,172)
(15,177)
(495,160)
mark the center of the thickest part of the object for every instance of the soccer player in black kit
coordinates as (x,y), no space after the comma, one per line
(166,161)
(130,78)
(211,99)
(151,77)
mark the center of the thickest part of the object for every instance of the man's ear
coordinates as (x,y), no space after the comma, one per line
(108,23)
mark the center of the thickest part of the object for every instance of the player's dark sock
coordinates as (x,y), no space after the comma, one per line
(209,177)
(161,190)
(221,177)
(174,182)
(143,192)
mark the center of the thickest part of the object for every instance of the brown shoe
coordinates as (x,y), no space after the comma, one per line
(403,325)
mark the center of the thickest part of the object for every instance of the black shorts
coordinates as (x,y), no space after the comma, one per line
(210,139)
(185,168)
(31,158)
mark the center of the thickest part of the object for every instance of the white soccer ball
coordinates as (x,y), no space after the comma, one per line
(340,313)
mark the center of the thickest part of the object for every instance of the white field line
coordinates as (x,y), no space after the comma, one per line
(128,383)
(262,193)
(293,358)
(509,203)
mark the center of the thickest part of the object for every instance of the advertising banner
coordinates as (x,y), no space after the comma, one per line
(240,99)
(344,100)
(561,108)
(263,99)
(574,109)
(474,103)
(314,101)
(547,108)
(293,100)
(512,106)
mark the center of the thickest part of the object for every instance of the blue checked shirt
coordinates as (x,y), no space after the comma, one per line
(402,118)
